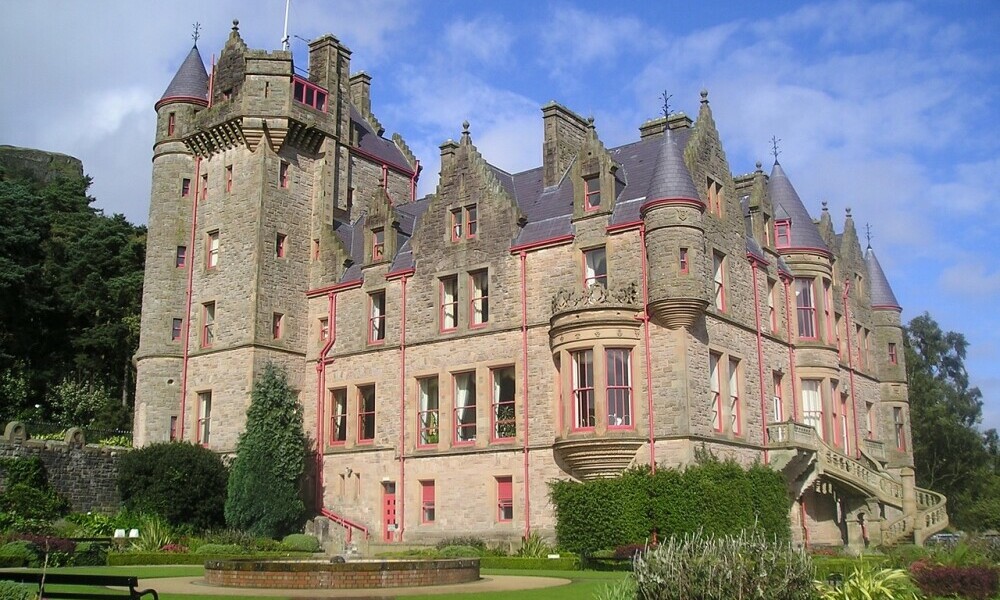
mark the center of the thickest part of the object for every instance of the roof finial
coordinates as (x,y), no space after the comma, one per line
(848,212)
(465,130)
(868,234)
(197,33)
(236,25)
(758,165)
(774,148)
(666,103)
(825,209)
(704,96)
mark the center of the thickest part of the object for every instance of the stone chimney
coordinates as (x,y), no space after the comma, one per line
(361,95)
(565,132)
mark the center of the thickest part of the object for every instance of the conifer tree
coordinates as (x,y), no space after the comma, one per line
(263,495)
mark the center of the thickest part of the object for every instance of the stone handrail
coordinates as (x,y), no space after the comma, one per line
(931,517)
(874,448)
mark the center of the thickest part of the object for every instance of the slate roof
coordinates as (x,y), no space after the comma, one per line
(191,80)
(881,293)
(371,142)
(804,232)
(409,219)
(353,237)
(671,178)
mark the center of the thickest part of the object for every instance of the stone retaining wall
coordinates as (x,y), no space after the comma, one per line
(349,575)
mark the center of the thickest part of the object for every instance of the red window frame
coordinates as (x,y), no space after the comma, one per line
(446,282)
(714,193)
(719,280)
(618,393)
(324,328)
(171,123)
(376,317)
(308,93)
(592,193)
(176,325)
(338,417)
(818,415)
(805,308)
(582,390)
(893,358)
(207,324)
(229,179)
(735,400)
(828,311)
(366,413)
(427,502)
(283,174)
(428,417)
(180,259)
(682,261)
(462,426)
(457,224)
(778,401)
(185,187)
(212,253)
(378,243)
(715,390)
(204,418)
(782,233)
(772,301)
(590,256)
(471,221)
(277,325)
(279,245)
(505,499)
(479,302)
(503,388)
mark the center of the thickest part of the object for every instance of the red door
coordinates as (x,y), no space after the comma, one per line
(388,511)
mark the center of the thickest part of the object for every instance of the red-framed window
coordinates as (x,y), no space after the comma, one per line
(277,325)
(868,350)
(719,280)
(428,412)
(457,224)
(464,222)
(207,324)
(584,413)
(505,499)
(899,427)
(308,93)
(426,502)
(777,402)
(772,302)
(618,366)
(828,312)
(338,416)
(843,423)
(893,358)
(204,186)
(595,267)
(449,303)
(682,261)
(204,429)
(479,303)
(471,221)
(592,193)
(185,187)
(171,123)
(324,329)
(503,415)
(735,403)
(376,317)
(180,259)
(378,244)
(714,194)
(783,233)
(212,250)
(280,245)
(805,306)
(283,174)
(812,405)
(366,414)
(839,328)
(715,390)
(173,428)
(175,329)
(464,389)
(229,179)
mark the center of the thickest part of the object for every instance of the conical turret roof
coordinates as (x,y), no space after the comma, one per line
(191,80)
(882,296)
(804,233)
(671,178)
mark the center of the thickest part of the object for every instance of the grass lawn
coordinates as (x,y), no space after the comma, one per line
(584,583)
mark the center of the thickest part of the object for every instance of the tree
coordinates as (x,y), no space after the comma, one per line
(263,496)
(949,452)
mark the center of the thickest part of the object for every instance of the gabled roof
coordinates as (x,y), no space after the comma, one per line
(804,233)
(370,142)
(191,80)
(881,293)
(671,178)
(409,219)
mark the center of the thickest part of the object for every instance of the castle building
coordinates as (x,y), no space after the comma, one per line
(455,353)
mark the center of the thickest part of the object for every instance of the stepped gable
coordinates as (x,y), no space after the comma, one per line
(190,82)
(881,292)
(804,233)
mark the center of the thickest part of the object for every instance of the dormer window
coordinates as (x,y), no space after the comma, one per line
(592,193)
(378,244)
(714,194)
(783,233)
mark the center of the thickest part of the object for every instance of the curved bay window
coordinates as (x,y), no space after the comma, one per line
(600,389)
(584,412)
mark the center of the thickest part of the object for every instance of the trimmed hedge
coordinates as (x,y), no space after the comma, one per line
(173,558)
(301,542)
(529,564)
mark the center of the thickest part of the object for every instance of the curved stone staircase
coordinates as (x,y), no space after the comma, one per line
(798,451)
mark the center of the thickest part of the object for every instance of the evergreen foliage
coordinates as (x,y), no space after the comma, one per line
(263,495)
(714,497)
(181,482)
(27,496)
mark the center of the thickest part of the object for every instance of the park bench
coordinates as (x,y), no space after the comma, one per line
(126,586)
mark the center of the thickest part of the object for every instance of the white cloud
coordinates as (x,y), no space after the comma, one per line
(574,41)
(971,279)
(486,39)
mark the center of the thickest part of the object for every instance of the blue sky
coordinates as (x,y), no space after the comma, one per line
(890,108)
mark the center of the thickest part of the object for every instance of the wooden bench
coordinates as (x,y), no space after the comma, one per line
(106,582)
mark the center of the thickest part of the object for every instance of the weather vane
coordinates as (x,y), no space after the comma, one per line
(196,34)
(868,234)
(774,147)
(666,103)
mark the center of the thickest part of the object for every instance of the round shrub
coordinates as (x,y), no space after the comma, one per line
(300,542)
(460,552)
(181,482)
(220,549)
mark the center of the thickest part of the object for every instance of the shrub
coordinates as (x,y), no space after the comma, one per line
(475,542)
(748,565)
(158,479)
(460,552)
(629,551)
(843,566)
(22,553)
(534,546)
(904,555)
(28,501)
(871,584)
(974,582)
(89,554)
(220,549)
(17,591)
(154,533)
(270,455)
(29,471)
(300,542)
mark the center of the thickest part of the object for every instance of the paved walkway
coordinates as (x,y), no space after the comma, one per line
(494,583)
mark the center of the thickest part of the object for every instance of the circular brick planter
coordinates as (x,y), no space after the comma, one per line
(358,574)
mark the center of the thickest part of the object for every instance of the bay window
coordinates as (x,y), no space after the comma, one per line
(617,363)
(584,415)
(805,308)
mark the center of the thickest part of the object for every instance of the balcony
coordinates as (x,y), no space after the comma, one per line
(308,93)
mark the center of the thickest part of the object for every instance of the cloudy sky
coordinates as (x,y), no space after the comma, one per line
(890,108)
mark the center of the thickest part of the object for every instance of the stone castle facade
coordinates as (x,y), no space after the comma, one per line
(455,353)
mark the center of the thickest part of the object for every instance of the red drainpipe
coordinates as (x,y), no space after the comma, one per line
(850,365)
(791,348)
(649,375)
(760,358)
(402,412)
(524,376)
(322,361)
(188,293)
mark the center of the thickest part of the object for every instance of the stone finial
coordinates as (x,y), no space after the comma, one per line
(236,25)
(825,207)
(848,212)
(590,121)
(704,96)
(759,167)
(466,136)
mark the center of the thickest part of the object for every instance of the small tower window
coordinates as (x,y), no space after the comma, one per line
(283,175)
(277,325)
(280,243)
(783,233)
(204,186)
(683,261)
(592,193)
(212,258)
(171,123)
(181,259)
(892,354)
(175,329)
(378,244)
(207,324)
(185,187)
(324,329)
(229,179)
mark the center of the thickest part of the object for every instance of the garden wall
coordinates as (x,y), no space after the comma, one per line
(85,475)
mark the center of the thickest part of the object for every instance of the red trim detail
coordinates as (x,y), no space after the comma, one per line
(188,99)
(649,374)
(793,249)
(549,243)
(188,293)
(791,346)
(623,227)
(399,274)
(753,258)
(691,202)
(887,307)
(338,287)
(524,374)
(397,168)
(402,412)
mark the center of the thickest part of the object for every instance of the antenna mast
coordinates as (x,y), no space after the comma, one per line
(284,37)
